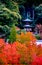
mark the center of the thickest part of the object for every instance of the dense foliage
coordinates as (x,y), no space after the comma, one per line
(21,48)
(36,2)
(20,1)
(20,54)
(9,15)
(25,37)
(12,36)
(9,12)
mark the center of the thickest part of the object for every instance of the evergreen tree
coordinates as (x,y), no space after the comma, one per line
(9,14)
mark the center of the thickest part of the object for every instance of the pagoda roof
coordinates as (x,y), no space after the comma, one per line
(28,20)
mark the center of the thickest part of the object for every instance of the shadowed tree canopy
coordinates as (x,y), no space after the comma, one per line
(29,2)
(36,2)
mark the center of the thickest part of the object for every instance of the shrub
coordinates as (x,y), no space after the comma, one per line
(8,54)
(12,36)
(26,37)
(37,61)
(21,54)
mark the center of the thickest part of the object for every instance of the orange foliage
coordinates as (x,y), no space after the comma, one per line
(2,42)
(26,37)
(8,55)
(39,50)
(17,53)
(22,50)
